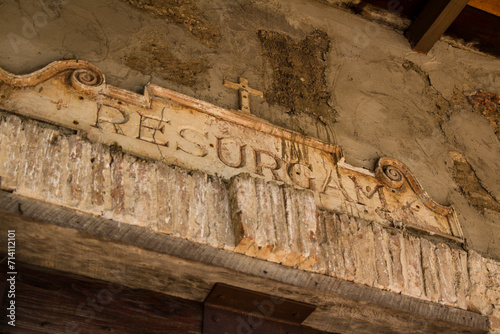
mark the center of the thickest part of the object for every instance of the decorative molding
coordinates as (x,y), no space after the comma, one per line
(165,125)
(394,174)
(82,70)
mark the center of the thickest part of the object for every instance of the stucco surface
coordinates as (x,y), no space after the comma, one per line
(380,98)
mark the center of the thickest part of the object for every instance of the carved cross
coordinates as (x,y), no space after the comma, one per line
(244,92)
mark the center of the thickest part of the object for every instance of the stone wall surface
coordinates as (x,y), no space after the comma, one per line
(258,218)
(324,71)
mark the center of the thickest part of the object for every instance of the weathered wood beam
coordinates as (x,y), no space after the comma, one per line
(55,302)
(432,22)
(60,238)
(52,301)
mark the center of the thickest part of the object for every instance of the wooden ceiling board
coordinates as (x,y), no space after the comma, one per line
(489,6)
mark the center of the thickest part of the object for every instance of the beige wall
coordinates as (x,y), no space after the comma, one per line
(363,88)
(338,78)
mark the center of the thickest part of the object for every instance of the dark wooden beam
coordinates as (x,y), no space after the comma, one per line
(477,28)
(60,238)
(50,301)
(432,22)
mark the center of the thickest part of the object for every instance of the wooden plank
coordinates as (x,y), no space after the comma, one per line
(489,6)
(478,29)
(478,25)
(432,22)
(49,301)
(135,257)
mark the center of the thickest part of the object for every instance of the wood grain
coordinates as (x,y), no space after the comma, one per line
(490,6)
(432,22)
(49,301)
(62,239)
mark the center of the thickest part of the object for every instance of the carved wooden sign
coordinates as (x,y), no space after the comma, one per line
(183,131)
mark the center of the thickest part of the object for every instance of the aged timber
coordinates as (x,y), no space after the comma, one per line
(50,301)
(140,259)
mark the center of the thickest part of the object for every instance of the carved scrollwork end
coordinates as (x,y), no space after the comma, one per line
(391,172)
(84,74)
(394,173)
(88,80)
(87,77)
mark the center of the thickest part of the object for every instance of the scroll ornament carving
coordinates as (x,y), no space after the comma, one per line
(83,73)
(82,79)
(165,125)
(393,173)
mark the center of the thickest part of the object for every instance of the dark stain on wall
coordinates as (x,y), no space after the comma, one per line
(298,69)
(488,105)
(156,58)
(471,186)
(183,13)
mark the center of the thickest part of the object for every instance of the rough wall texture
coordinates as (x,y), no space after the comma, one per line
(183,13)
(363,88)
(298,72)
(246,215)
(471,186)
(487,104)
(160,59)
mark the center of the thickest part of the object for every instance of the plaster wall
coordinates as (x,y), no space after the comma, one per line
(363,88)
